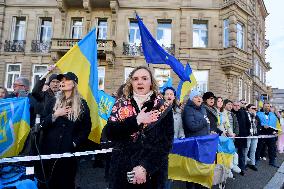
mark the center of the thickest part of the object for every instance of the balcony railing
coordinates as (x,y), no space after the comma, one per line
(41,46)
(136,49)
(132,49)
(63,44)
(66,44)
(14,45)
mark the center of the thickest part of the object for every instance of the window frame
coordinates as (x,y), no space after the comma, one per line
(200,30)
(13,77)
(101,74)
(162,77)
(37,74)
(242,32)
(160,22)
(127,73)
(14,28)
(226,41)
(101,28)
(201,85)
(136,30)
(41,26)
(73,19)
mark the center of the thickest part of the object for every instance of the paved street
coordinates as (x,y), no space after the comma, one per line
(93,178)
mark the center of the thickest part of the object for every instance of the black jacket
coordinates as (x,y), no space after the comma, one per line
(213,122)
(58,136)
(244,126)
(133,146)
(194,120)
(42,97)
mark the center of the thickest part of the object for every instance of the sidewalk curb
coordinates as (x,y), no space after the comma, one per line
(277,181)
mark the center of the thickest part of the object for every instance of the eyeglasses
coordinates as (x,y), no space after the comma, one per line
(18,85)
(253,108)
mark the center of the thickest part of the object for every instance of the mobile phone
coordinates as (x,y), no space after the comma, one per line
(130,176)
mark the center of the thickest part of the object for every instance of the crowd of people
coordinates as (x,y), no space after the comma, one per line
(142,126)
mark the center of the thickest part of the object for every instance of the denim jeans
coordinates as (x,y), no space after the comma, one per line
(251,147)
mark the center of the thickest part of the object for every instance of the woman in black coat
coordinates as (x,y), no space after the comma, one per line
(66,125)
(141,128)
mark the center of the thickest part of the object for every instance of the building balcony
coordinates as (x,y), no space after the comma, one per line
(40,46)
(63,5)
(235,61)
(132,49)
(137,50)
(64,45)
(14,45)
(105,47)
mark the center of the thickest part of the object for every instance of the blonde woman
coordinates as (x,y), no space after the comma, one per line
(66,125)
(142,130)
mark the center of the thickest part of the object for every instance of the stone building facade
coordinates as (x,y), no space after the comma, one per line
(223,40)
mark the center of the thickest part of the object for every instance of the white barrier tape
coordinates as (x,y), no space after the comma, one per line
(53,156)
(77,154)
(259,136)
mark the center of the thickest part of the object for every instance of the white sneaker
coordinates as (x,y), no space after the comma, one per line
(264,158)
(236,169)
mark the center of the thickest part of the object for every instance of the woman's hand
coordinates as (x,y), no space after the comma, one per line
(140,175)
(62,111)
(147,117)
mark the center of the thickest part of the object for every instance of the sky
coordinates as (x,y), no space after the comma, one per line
(275,35)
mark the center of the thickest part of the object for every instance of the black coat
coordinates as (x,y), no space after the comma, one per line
(58,136)
(244,126)
(194,120)
(134,146)
(213,122)
(42,97)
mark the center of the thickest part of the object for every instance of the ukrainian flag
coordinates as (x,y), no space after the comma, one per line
(184,87)
(260,102)
(81,59)
(226,150)
(14,125)
(192,159)
(272,120)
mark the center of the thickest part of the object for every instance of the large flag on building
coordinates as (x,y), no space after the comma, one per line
(226,151)
(155,54)
(192,159)
(14,125)
(184,87)
(81,59)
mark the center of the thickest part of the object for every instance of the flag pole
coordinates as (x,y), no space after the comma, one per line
(48,71)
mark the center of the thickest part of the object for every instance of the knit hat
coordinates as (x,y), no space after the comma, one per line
(52,77)
(226,101)
(208,95)
(194,93)
(171,88)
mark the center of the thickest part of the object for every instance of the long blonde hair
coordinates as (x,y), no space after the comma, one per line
(128,89)
(74,101)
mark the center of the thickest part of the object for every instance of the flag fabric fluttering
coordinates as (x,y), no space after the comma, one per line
(14,125)
(155,54)
(168,83)
(269,120)
(260,102)
(184,87)
(226,151)
(81,59)
(192,159)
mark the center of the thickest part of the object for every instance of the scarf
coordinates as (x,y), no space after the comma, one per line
(213,110)
(141,99)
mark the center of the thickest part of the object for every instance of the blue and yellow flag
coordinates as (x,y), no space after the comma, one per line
(184,87)
(155,54)
(81,59)
(226,151)
(168,83)
(260,102)
(269,120)
(192,159)
(14,125)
